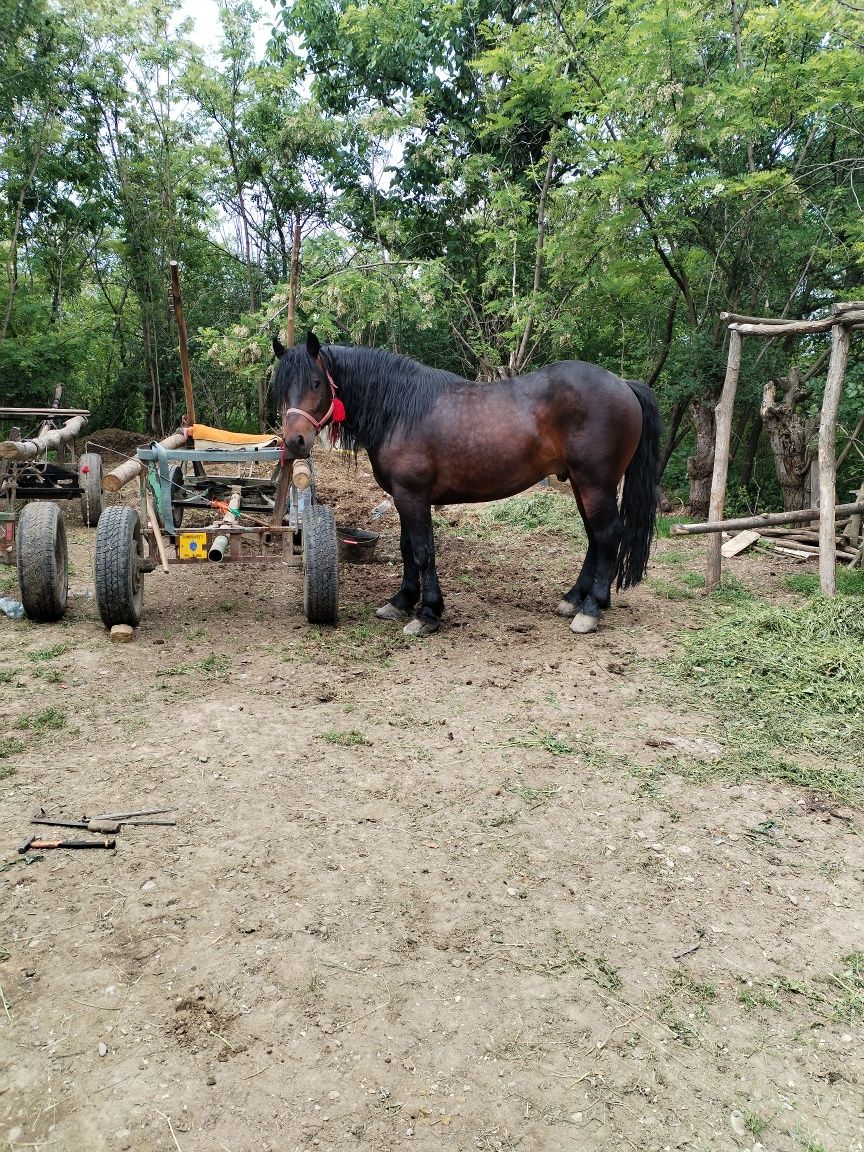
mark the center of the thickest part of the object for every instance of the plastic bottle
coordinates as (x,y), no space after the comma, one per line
(14,609)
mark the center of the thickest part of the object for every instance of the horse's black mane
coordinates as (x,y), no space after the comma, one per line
(381,390)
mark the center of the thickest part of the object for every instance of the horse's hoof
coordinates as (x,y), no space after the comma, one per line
(583,624)
(566,608)
(389,611)
(417,627)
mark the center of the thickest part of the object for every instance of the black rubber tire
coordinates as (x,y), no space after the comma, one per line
(90,483)
(43,561)
(320,565)
(119,580)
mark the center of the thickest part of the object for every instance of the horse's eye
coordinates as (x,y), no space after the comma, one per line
(316,385)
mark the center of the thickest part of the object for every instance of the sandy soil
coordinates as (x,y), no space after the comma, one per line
(420,894)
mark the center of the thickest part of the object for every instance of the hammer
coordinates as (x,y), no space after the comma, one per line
(32,844)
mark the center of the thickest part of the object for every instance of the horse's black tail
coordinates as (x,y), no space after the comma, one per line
(639,500)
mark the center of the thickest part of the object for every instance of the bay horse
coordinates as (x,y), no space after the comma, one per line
(436,438)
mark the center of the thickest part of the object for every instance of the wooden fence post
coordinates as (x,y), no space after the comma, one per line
(840,340)
(722,437)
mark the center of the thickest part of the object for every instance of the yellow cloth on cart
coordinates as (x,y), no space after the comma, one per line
(206,437)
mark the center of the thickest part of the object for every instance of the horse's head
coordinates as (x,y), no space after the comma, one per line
(305,394)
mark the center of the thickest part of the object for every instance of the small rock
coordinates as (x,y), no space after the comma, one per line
(211,1080)
(103,1048)
(29,972)
(122,633)
(736,1121)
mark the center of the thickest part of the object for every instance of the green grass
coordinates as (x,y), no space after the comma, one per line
(49,653)
(351,739)
(849,582)
(49,719)
(548,741)
(670,590)
(9,747)
(787,687)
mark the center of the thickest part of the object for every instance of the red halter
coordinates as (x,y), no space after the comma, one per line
(335,413)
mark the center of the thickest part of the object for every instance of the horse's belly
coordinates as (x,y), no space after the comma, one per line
(472,477)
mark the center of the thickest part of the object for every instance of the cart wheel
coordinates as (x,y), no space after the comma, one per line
(90,483)
(43,561)
(119,580)
(320,565)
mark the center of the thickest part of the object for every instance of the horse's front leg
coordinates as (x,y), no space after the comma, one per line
(403,602)
(415,514)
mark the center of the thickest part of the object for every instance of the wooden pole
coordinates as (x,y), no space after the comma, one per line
(154,526)
(120,476)
(799,516)
(293,284)
(184,343)
(722,437)
(44,442)
(840,340)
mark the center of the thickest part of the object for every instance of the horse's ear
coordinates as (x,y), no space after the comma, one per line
(313,345)
(278,347)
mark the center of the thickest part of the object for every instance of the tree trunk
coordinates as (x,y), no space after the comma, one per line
(751,449)
(700,466)
(790,436)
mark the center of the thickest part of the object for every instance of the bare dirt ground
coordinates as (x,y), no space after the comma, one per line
(420,894)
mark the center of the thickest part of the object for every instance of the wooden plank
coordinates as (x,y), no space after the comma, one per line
(739,543)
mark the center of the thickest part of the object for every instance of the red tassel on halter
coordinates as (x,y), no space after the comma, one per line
(337,419)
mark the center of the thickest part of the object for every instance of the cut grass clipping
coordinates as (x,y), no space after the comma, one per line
(787,685)
(546,511)
(539,510)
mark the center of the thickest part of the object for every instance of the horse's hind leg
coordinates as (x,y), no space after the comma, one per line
(603,521)
(571,602)
(403,602)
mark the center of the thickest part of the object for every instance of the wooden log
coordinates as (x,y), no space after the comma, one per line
(801,516)
(120,476)
(852,319)
(45,442)
(722,437)
(184,342)
(853,528)
(799,555)
(841,337)
(301,475)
